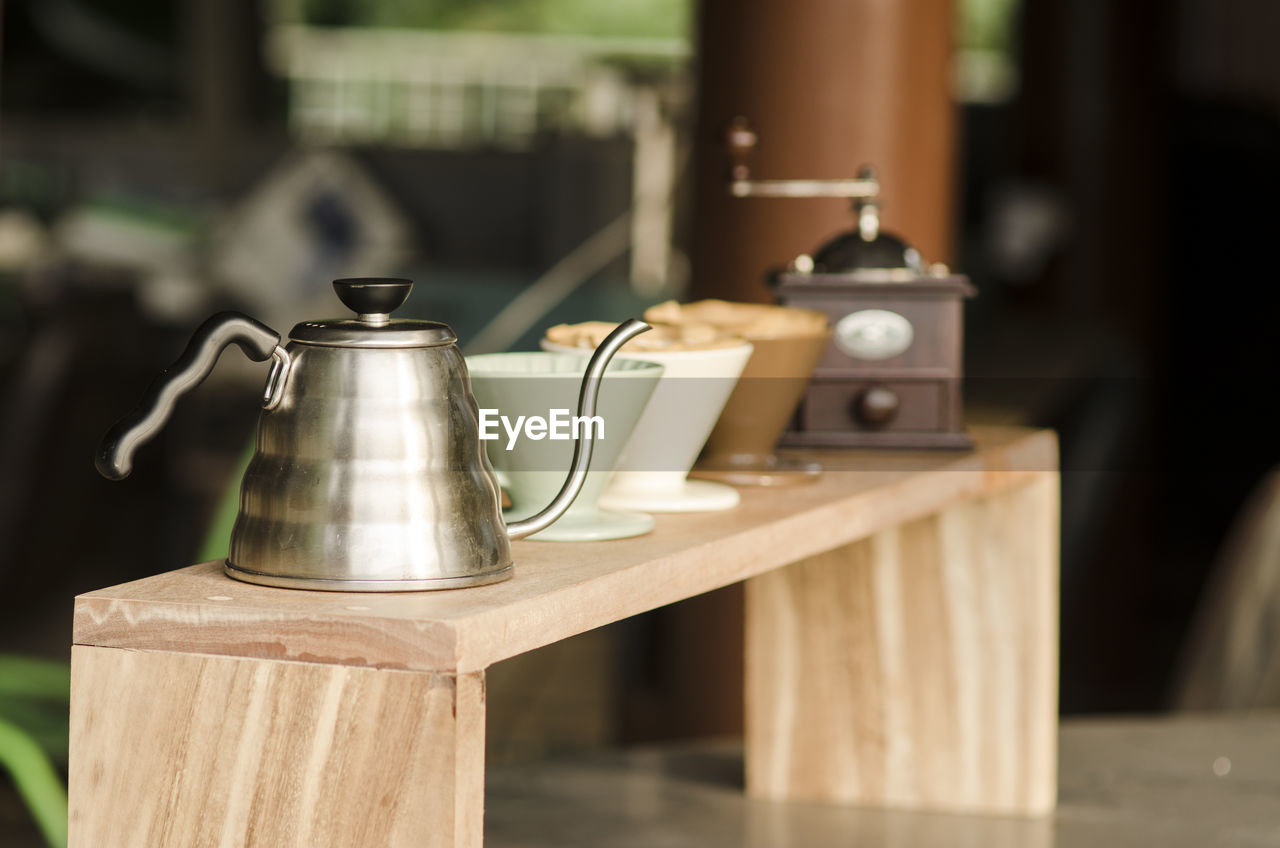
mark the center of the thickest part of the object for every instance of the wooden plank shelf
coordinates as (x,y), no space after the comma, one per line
(901,650)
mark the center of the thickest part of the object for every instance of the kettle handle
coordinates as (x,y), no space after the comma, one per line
(583,446)
(115,455)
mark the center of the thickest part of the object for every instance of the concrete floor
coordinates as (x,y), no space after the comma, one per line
(1185,782)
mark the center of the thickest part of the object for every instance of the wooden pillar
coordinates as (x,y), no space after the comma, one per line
(828,85)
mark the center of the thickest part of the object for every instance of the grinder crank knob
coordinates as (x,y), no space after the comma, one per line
(740,140)
(373,298)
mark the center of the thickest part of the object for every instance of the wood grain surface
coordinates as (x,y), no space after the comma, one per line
(559,589)
(914,668)
(179,750)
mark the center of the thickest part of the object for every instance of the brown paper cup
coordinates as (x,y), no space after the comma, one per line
(740,448)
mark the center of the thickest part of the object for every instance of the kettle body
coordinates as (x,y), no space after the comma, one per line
(368,472)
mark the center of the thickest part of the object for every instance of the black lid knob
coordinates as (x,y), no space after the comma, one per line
(372,295)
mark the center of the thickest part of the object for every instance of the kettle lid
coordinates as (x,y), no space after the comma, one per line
(373,299)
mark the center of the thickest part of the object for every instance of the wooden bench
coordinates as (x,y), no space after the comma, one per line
(901,650)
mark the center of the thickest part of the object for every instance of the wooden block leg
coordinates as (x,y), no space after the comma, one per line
(915,669)
(172,749)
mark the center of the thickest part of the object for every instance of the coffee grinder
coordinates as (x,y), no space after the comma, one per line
(892,374)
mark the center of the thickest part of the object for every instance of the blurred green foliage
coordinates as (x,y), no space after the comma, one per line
(34,694)
(620,18)
(987,24)
(34,699)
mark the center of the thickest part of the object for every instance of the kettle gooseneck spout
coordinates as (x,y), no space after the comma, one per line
(584,445)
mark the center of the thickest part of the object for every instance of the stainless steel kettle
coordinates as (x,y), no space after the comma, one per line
(368,474)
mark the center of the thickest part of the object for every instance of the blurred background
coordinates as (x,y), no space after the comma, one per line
(1106,173)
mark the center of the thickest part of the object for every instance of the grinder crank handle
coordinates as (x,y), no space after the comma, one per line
(115,455)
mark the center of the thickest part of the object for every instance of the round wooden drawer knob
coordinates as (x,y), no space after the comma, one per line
(875,406)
